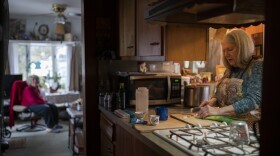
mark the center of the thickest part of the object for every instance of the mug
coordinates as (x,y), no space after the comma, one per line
(154,119)
(162,112)
(239,133)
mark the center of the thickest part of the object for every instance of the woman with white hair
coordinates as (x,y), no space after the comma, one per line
(32,98)
(240,90)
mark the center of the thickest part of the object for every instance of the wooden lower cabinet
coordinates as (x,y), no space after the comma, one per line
(107,147)
(127,145)
(106,136)
(125,141)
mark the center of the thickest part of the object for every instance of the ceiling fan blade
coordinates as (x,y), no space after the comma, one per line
(74,14)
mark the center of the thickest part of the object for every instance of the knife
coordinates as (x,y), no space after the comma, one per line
(195,109)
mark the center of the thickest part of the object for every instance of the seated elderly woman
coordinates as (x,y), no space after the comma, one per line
(32,98)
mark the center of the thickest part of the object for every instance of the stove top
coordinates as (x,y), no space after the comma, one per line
(213,140)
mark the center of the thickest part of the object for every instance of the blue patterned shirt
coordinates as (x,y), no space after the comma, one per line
(251,88)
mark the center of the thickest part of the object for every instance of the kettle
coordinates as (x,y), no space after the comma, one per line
(195,94)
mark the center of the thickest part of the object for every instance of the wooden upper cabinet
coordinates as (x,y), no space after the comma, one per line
(257,34)
(127,27)
(149,38)
(186,43)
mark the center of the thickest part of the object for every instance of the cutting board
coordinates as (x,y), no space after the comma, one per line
(191,119)
(168,124)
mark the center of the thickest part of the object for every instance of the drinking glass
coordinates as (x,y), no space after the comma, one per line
(239,133)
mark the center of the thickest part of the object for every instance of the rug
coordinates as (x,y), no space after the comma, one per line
(17,142)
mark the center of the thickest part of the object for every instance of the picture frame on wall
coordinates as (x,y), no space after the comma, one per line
(17,29)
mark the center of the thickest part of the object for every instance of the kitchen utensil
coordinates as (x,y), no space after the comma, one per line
(195,94)
(195,109)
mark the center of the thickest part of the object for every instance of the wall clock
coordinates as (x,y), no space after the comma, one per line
(43,29)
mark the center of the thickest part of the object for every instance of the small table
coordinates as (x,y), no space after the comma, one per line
(75,118)
(62,97)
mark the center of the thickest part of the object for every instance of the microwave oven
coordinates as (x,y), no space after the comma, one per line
(163,88)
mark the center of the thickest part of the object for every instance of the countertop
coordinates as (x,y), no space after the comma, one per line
(149,137)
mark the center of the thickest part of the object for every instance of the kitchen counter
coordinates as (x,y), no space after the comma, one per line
(168,138)
(149,139)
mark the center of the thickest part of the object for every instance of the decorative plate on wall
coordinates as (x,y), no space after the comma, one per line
(43,29)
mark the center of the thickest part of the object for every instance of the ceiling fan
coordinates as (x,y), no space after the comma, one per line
(59,10)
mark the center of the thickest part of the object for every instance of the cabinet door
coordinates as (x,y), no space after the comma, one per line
(186,43)
(107,127)
(127,144)
(148,35)
(127,27)
(107,147)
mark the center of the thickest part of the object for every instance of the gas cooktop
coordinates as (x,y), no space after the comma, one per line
(213,140)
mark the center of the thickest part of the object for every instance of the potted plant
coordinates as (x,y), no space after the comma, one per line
(53,82)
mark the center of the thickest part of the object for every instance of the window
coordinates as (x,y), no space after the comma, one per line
(47,60)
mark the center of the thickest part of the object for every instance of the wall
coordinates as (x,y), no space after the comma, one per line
(30,22)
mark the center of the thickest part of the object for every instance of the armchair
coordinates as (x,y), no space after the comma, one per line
(15,106)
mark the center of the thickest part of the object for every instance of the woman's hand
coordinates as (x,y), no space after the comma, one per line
(208,110)
(210,102)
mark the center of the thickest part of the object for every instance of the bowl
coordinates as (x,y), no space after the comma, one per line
(140,115)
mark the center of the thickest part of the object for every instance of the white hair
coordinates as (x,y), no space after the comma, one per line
(31,77)
(245,47)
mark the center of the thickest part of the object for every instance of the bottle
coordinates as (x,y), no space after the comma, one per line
(107,101)
(122,96)
(79,106)
(101,99)
(116,102)
(101,93)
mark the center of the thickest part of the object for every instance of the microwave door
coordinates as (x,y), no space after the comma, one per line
(158,88)
(169,88)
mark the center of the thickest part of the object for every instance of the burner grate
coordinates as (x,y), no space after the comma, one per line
(213,140)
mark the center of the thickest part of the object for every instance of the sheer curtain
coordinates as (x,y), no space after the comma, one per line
(74,68)
(13,59)
(215,49)
(69,56)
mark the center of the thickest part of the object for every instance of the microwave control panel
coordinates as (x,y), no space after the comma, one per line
(175,87)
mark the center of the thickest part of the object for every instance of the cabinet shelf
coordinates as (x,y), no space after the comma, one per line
(37,42)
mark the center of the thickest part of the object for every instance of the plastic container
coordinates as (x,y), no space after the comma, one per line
(152,67)
(142,99)
(177,69)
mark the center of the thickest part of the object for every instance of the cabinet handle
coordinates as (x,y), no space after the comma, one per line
(154,43)
(129,47)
